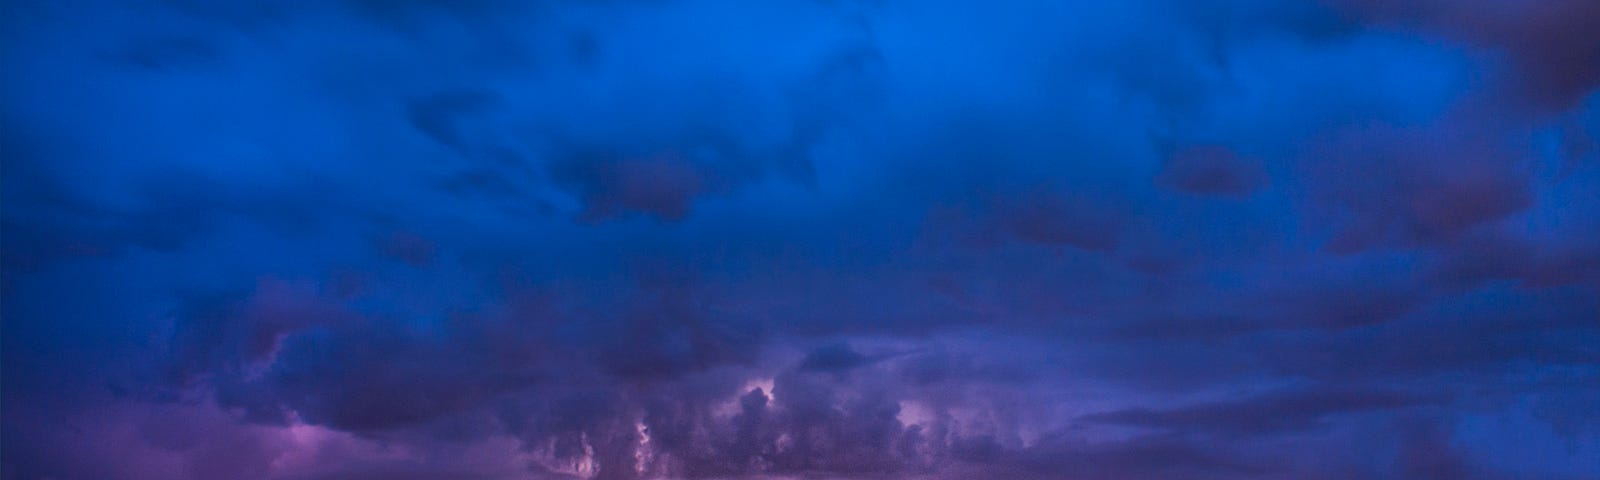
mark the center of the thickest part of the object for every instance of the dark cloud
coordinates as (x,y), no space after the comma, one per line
(438,115)
(860,239)
(833,358)
(664,185)
(1290,411)
(1139,458)
(1546,45)
(1211,170)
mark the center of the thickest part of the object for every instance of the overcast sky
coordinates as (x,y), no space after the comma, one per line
(640,239)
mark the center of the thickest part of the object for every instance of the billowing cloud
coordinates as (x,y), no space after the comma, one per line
(1139,240)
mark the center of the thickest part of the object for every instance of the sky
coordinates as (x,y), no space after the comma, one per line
(822,239)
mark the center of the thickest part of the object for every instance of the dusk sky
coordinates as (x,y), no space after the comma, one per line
(819,239)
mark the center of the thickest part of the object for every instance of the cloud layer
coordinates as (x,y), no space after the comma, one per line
(619,239)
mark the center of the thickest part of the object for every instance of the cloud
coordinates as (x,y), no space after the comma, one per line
(1290,411)
(858,239)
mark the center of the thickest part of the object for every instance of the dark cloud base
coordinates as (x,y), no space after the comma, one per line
(1135,240)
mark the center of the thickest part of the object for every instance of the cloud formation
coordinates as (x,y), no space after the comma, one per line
(1140,240)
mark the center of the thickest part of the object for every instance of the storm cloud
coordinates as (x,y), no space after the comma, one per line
(1150,239)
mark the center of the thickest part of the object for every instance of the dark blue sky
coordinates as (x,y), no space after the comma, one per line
(631,239)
